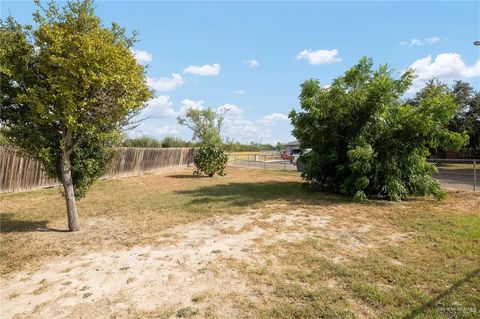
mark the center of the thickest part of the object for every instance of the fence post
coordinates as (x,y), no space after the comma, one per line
(474,174)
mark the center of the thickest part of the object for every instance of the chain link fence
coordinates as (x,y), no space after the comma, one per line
(461,174)
(272,161)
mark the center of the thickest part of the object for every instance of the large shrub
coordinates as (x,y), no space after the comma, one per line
(366,141)
(210,160)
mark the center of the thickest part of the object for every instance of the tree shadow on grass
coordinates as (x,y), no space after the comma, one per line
(184,176)
(243,194)
(8,224)
(436,301)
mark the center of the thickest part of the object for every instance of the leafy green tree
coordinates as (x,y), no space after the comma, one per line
(210,158)
(205,124)
(69,85)
(172,141)
(467,117)
(365,141)
(143,141)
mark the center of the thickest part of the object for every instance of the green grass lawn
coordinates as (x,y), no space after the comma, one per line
(415,259)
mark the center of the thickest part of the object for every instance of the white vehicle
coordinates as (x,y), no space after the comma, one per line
(296,156)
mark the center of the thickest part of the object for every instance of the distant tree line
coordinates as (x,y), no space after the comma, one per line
(171,141)
(148,141)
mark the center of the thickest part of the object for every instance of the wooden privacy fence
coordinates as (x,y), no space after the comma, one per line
(21,173)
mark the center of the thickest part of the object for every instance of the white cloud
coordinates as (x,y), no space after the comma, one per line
(166,83)
(446,67)
(204,70)
(240,92)
(237,125)
(241,129)
(142,57)
(251,63)
(319,56)
(272,119)
(417,42)
(412,42)
(432,40)
(167,130)
(159,107)
(190,104)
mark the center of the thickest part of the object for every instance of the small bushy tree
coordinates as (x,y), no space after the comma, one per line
(69,86)
(210,158)
(365,141)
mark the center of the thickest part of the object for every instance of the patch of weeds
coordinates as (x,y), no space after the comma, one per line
(25,279)
(84,288)
(370,293)
(86,295)
(124,268)
(13,295)
(67,270)
(216,251)
(202,270)
(186,312)
(199,297)
(67,283)
(131,279)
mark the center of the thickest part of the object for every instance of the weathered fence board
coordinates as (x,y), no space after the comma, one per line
(21,173)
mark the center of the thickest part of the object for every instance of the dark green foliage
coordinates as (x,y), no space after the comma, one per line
(147,141)
(69,87)
(467,117)
(92,156)
(143,141)
(171,141)
(210,160)
(365,141)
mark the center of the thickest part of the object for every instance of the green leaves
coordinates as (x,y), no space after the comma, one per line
(210,160)
(205,124)
(366,141)
(71,74)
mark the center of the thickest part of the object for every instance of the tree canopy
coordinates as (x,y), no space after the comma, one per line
(205,124)
(69,85)
(366,141)
(467,117)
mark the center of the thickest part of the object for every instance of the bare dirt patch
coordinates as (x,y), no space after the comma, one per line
(182,264)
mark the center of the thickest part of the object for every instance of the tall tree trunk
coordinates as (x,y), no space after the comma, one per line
(66,168)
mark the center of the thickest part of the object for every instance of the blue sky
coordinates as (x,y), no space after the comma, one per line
(251,57)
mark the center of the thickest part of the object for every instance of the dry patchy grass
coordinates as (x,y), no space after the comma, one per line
(252,244)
